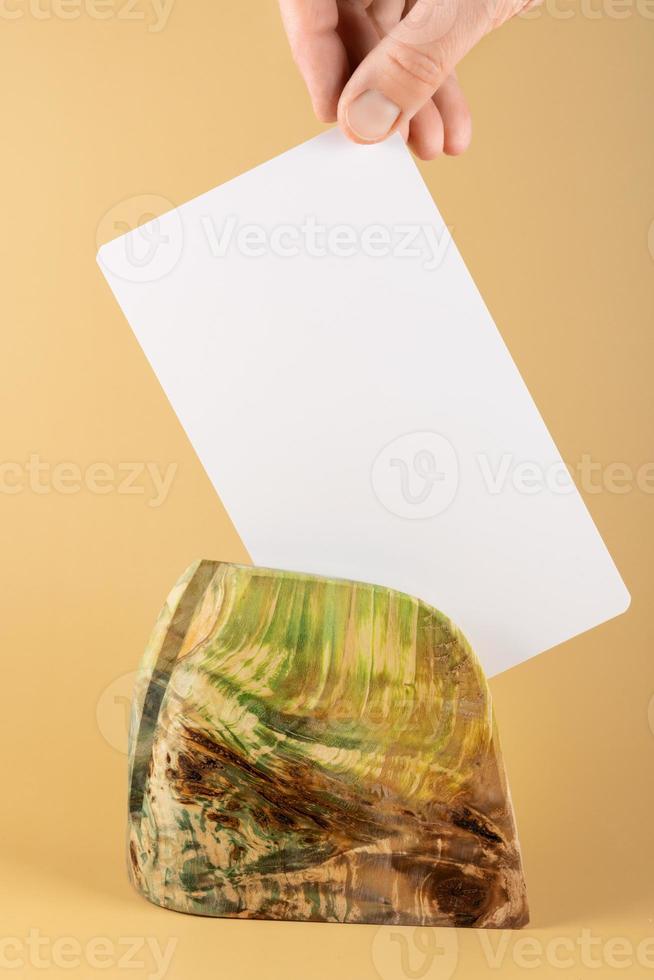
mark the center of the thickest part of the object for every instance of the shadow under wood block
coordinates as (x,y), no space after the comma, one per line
(310,748)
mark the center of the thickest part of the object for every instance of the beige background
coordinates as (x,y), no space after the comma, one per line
(552,209)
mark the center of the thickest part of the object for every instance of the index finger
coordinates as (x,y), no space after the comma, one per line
(318,51)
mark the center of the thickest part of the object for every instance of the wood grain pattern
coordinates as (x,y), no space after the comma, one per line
(307,748)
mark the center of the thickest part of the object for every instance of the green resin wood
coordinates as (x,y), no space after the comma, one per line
(309,748)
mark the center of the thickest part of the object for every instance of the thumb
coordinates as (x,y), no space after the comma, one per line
(405,69)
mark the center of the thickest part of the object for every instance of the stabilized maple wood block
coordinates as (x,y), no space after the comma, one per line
(309,748)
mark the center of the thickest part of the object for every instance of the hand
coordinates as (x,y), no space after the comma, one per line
(384,65)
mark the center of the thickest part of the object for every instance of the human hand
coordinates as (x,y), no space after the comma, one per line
(378,66)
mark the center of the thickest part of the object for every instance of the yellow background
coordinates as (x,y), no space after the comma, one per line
(552,209)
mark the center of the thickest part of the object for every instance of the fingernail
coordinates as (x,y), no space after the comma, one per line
(371,115)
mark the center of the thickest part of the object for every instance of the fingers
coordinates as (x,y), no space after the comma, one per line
(386,14)
(443,124)
(358,30)
(457,122)
(409,65)
(426,133)
(318,51)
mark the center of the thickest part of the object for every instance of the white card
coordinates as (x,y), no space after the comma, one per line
(344,386)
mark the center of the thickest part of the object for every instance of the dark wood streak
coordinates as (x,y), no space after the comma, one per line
(297,797)
(436,862)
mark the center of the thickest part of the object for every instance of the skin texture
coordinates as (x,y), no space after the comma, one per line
(408,52)
(313,749)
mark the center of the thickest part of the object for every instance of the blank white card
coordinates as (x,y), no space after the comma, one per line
(336,370)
